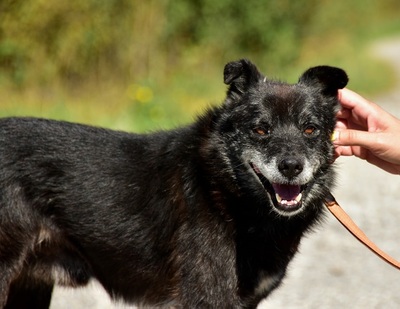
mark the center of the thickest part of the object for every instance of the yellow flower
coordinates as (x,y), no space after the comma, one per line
(142,94)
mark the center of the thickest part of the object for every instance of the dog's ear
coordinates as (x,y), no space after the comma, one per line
(240,75)
(329,79)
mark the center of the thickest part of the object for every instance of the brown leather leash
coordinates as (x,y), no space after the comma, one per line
(349,224)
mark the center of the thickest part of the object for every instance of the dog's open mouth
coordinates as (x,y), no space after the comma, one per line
(286,197)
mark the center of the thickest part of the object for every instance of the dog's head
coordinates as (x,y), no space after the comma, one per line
(276,136)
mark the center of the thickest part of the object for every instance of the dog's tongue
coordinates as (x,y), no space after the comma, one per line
(287,192)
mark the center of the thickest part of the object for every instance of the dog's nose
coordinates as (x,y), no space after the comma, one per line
(290,167)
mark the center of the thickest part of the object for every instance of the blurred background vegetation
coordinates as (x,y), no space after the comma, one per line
(144,65)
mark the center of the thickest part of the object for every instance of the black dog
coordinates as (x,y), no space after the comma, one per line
(205,216)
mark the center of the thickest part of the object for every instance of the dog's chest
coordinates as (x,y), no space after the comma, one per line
(266,284)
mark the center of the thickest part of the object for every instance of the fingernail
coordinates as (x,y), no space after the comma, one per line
(334,136)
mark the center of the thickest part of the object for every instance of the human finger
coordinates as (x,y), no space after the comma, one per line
(351,137)
(343,113)
(389,167)
(341,125)
(360,108)
(350,99)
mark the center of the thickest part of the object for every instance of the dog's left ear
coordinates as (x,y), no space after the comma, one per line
(240,76)
(329,79)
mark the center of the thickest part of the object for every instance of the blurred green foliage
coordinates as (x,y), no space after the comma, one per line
(161,61)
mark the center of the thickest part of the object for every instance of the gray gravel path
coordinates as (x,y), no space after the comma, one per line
(332,270)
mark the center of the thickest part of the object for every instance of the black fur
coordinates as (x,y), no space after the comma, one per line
(185,218)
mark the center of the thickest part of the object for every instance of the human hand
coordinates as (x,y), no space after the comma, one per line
(367,131)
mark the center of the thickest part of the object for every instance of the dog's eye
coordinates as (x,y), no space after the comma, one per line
(310,130)
(261,131)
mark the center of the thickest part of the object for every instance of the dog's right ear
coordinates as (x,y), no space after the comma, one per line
(328,78)
(240,75)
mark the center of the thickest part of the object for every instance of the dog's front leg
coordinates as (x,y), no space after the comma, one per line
(11,264)
(17,238)
(12,258)
(210,283)
(29,293)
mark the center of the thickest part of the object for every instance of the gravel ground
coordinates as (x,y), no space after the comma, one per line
(333,270)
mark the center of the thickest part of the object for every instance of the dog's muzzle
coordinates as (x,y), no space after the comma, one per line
(286,196)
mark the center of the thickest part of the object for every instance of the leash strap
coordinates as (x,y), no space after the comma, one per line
(349,224)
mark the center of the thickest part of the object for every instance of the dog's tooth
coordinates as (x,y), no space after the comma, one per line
(298,198)
(278,198)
